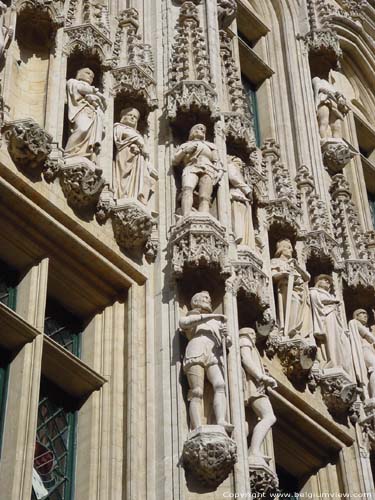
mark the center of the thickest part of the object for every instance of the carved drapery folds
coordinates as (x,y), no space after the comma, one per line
(190,85)
(133,69)
(199,241)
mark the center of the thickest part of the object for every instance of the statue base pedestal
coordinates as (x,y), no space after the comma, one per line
(81,181)
(132,223)
(263,480)
(336,153)
(199,240)
(209,455)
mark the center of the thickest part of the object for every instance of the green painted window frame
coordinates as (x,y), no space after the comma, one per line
(252,102)
(63,327)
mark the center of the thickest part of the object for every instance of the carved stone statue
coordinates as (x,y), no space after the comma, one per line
(207,336)
(328,326)
(291,282)
(363,342)
(331,108)
(241,198)
(201,169)
(132,173)
(86,107)
(256,383)
(5,33)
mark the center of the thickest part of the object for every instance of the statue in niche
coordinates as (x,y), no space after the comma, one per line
(241,200)
(331,108)
(363,342)
(208,338)
(294,314)
(256,384)
(328,326)
(132,172)
(86,106)
(201,168)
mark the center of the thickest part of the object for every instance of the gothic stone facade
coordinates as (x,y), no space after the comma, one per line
(187,273)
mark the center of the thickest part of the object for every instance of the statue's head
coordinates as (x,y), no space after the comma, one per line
(324,281)
(198,132)
(201,301)
(284,248)
(130,116)
(361,315)
(86,75)
(248,332)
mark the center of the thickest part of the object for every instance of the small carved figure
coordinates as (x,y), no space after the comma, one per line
(86,106)
(362,337)
(256,384)
(291,281)
(241,199)
(328,326)
(201,168)
(331,108)
(207,337)
(132,172)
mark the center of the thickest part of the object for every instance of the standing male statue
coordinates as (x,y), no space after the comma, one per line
(207,337)
(363,341)
(86,106)
(201,168)
(256,384)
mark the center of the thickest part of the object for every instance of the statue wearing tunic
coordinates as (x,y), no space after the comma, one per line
(86,107)
(241,198)
(132,172)
(363,342)
(328,326)
(256,384)
(291,282)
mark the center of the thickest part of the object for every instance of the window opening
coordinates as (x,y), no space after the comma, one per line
(252,103)
(63,327)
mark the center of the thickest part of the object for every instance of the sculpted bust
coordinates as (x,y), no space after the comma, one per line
(132,173)
(86,107)
(200,161)
(206,332)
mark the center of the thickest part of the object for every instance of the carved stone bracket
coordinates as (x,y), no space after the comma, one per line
(81,182)
(192,96)
(135,82)
(367,424)
(296,355)
(132,223)
(28,144)
(238,128)
(263,480)
(227,11)
(339,392)
(209,455)
(88,39)
(199,240)
(336,153)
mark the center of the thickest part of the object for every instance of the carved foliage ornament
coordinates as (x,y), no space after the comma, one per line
(263,481)
(81,184)
(87,39)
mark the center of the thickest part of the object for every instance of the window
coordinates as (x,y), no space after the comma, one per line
(253,106)
(4,373)
(8,282)
(55,445)
(63,327)
(371,202)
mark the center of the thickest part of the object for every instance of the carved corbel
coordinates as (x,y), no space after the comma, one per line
(199,240)
(337,153)
(263,481)
(209,455)
(81,183)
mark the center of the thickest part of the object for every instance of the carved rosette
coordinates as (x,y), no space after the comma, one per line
(199,240)
(192,96)
(29,145)
(87,39)
(263,480)
(336,153)
(227,11)
(81,183)
(132,223)
(296,355)
(209,455)
(134,82)
(339,392)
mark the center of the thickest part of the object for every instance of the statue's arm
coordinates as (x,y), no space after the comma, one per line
(248,366)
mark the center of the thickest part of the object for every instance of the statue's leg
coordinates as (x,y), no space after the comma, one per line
(263,410)
(370,365)
(215,377)
(323,121)
(189,183)
(205,193)
(195,376)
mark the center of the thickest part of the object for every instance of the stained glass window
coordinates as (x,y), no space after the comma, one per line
(253,106)
(8,282)
(63,327)
(55,445)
